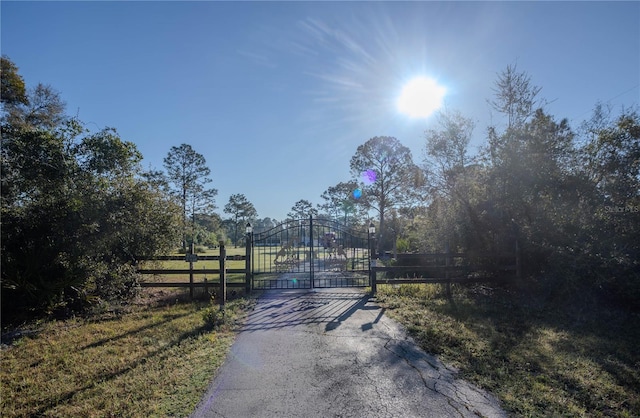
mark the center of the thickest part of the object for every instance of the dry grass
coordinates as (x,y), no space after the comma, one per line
(146,360)
(538,359)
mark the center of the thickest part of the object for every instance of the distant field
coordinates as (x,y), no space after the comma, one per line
(198,265)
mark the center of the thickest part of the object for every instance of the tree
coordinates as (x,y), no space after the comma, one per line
(76,216)
(261,225)
(515,96)
(389,176)
(453,181)
(77,210)
(446,148)
(340,199)
(302,209)
(13,91)
(45,108)
(38,107)
(188,173)
(241,210)
(610,223)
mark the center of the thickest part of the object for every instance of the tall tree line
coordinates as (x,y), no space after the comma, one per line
(77,209)
(569,196)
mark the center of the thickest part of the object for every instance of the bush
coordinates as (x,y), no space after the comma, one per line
(214,317)
(402,245)
(115,282)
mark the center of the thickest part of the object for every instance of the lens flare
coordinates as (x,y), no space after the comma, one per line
(368,177)
(357,193)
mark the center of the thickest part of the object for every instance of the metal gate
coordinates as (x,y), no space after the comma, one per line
(310,253)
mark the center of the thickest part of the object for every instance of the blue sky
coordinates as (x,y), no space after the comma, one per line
(277,96)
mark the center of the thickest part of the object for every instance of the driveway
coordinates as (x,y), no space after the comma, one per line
(333,353)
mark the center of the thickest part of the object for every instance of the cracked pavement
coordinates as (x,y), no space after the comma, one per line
(333,353)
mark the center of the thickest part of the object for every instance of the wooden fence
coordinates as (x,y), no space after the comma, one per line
(445,268)
(191,258)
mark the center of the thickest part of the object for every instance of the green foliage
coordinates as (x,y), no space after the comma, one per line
(220,318)
(571,200)
(402,245)
(77,213)
(398,180)
(340,201)
(13,90)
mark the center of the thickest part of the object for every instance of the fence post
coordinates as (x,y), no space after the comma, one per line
(223,275)
(247,267)
(374,278)
(446,269)
(191,271)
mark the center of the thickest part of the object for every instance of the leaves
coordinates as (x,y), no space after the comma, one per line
(75,215)
(398,179)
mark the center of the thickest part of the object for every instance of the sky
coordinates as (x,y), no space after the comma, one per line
(277,96)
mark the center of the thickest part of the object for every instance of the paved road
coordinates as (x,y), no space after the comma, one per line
(332,353)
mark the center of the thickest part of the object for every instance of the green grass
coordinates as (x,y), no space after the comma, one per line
(146,360)
(539,359)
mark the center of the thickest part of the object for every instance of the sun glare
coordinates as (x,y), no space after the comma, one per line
(421,97)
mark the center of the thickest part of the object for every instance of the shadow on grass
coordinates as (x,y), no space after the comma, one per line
(166,319)
(128,367)
(537,338)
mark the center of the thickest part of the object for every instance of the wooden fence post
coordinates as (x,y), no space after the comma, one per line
(191,271)
(223,275)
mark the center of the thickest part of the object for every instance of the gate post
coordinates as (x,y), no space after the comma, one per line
(248,276)
(223,275)
(371,239)
(311,260)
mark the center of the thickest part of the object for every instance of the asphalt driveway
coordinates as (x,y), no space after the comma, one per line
(332,353)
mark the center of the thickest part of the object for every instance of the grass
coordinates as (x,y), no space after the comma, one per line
(155,358)
(538,358)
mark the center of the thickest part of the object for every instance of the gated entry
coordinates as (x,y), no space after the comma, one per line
(310,253)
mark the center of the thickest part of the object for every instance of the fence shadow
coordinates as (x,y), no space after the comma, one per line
(278,309)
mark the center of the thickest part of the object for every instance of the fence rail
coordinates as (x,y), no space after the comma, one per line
(189,285)
(222,271)
(188,271)
(200,258)
(441,268)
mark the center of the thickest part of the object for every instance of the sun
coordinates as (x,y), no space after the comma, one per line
(420,97)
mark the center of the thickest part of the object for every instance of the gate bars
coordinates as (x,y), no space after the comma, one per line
(308,253)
